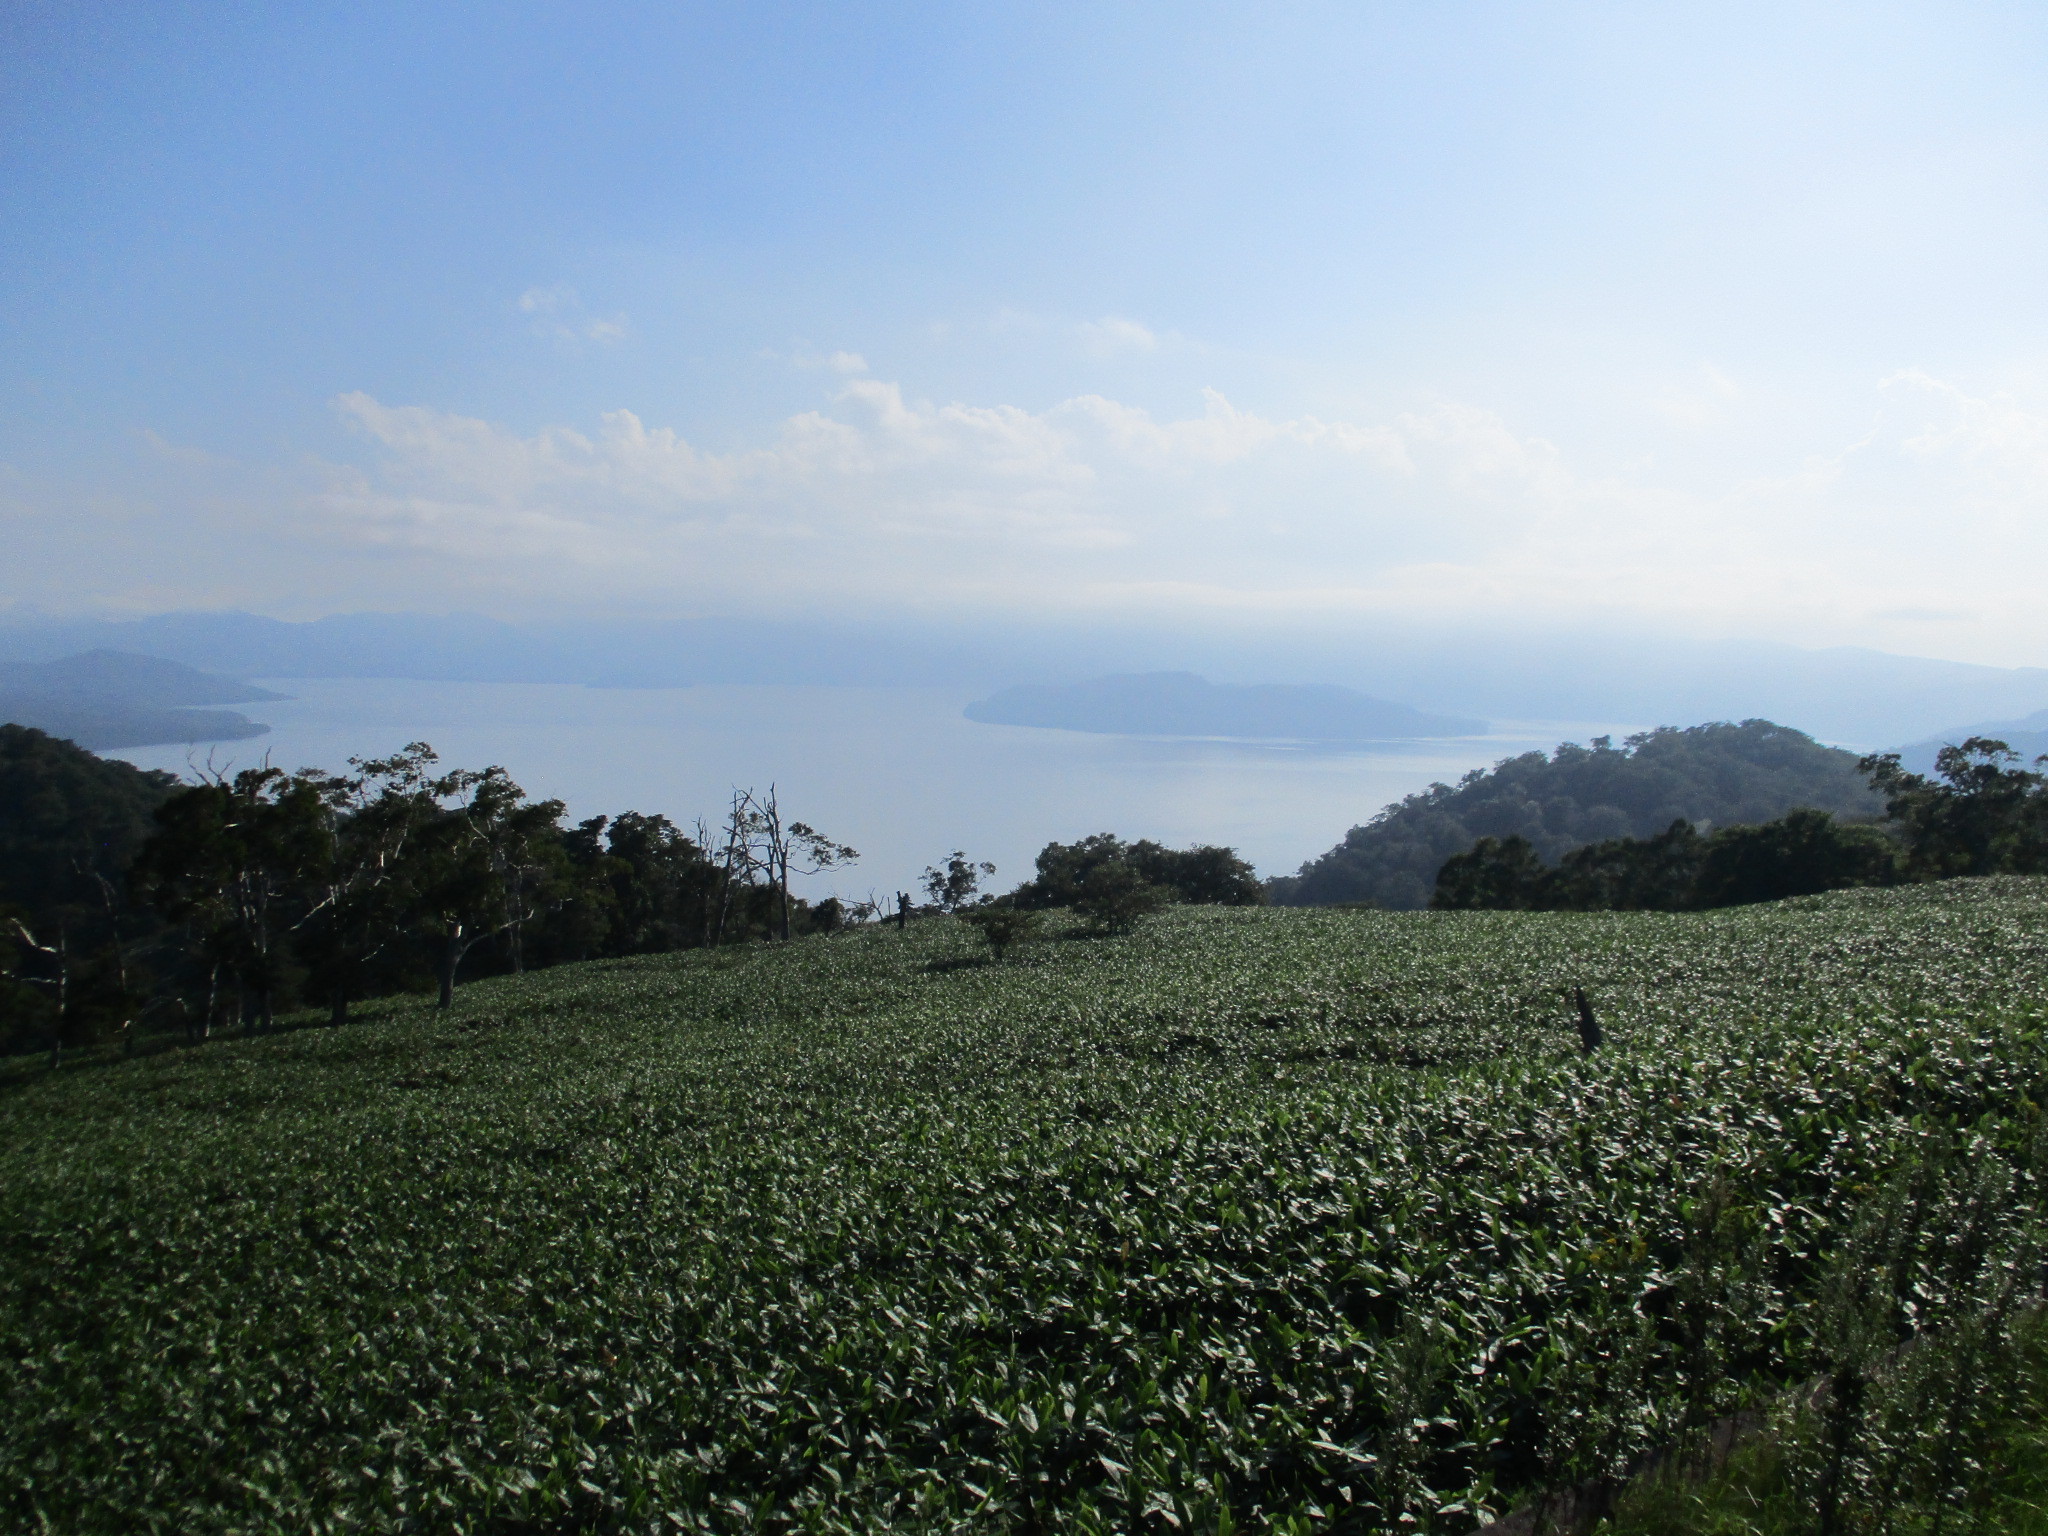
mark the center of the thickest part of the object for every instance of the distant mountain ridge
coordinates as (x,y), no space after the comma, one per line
(1845,694)
(102,700)
(1183,704)
(2027,736)
(1711,775)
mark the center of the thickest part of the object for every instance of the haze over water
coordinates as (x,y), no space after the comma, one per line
(897,772)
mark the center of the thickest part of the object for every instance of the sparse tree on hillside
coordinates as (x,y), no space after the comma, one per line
(356,905)
(957,884)
(739,861)
(488,864)
(760,845)
(793,847)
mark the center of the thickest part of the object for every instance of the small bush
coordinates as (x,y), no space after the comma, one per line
(1001,925)
(1115,896)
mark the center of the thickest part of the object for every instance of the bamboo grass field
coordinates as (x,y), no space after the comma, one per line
(1250,1220)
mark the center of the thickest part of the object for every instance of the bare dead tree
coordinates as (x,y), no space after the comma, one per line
(794,847)
(738,861)
(60,984)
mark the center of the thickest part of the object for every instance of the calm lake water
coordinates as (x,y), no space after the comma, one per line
(898,773)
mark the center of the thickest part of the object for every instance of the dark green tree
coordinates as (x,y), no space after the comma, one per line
(233,861)
(646,888)
(1001,924)
(489,864)
(1114,895)
(356,907)
(1630,874)
(1202,875)
(1497,874)
(1800,854)
(77,954)
(1980,813)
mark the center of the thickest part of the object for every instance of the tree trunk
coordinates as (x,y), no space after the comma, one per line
(337,1007)
(451,957)
(264,1016)
(204,1027)
(724,909)
(63,999)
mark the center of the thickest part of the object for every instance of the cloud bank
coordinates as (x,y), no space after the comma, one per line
(1921,534)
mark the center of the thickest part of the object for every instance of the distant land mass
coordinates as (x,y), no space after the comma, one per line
(1713,775)
(2028,737)
(1183,704)
(104,700)
(1858,697)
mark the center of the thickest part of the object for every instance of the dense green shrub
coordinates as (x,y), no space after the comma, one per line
(1800,854)
(1251,1220)
(1203,875)
(1000,924)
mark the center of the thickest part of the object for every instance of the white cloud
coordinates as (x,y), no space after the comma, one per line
(1701,400)
(1110,335)
(1090,500)
(831,362)
(559,313)
(1927,531)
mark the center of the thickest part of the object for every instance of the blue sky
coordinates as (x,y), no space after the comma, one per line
(1712,320)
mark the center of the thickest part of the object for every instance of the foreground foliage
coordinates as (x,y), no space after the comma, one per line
(1251,1220)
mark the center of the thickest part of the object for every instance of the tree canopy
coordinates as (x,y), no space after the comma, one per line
(1980,813)
(1710,776)
(1206,875)
(126,895)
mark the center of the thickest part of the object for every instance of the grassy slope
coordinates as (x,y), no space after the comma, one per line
(1241,1222)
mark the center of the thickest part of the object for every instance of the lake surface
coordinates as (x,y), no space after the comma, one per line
(897,772)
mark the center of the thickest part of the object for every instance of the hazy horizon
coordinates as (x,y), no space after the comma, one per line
(1844,695)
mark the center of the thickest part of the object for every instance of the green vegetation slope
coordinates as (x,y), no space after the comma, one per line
(1252,1220)
(1709,775)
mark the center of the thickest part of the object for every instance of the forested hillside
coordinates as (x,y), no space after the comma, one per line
(70,826)
(1710,775)
(105,699)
